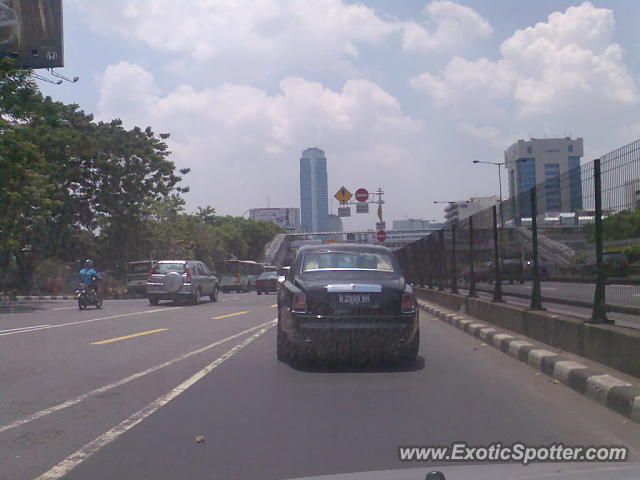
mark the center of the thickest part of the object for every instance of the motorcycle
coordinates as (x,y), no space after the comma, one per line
(87,296)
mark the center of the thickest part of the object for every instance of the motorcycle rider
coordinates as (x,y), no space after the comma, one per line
(91,278)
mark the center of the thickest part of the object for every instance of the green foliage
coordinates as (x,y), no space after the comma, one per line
(633,253)
(620,226)
(73,188)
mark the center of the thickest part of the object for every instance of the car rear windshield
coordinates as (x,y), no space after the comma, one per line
(347,261)
(169,267)
(139,267)
(268,275)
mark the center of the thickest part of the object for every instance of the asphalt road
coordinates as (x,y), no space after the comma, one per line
(626,295)
(124,392)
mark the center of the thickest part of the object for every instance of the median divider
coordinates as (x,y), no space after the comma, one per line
(614,393)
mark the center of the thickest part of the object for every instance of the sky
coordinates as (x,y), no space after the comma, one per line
(400,94)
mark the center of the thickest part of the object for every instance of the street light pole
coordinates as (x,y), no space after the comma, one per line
(499,165)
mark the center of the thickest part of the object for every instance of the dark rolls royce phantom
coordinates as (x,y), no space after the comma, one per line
(347,300)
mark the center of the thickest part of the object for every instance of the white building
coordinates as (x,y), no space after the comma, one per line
(459,211)
(286,218)
(415,224)
(553,164)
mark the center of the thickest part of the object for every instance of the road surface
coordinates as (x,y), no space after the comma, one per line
(192,392)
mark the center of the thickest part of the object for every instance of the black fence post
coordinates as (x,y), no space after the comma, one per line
(472,269)
(536,296)
(454,266)
(442,261)
(497,291)
(430,259)
(599,314)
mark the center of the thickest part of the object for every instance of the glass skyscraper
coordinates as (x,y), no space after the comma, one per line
(314,198)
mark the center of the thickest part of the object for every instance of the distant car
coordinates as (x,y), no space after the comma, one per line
(267,282)
(182,280)
(137,274)
(347,299)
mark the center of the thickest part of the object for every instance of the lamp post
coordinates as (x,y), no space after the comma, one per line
(499,165)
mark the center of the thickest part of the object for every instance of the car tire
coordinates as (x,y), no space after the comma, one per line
(258,292)
(409,352)
(214,296)
(153,300)
(195,300)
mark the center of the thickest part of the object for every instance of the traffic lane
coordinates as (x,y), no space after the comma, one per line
(40,368)
(30,448)
(615,294)
(67,312)
(620,319)
(24,314)
(264,419)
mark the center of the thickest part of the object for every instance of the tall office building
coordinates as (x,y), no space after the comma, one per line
(553,164)
(314,198)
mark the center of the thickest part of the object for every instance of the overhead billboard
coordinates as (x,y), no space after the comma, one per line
(31,32)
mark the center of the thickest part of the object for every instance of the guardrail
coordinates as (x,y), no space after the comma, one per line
(503,242)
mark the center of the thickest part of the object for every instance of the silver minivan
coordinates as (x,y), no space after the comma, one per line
(182,280)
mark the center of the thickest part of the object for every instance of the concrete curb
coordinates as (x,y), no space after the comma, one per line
(613,393)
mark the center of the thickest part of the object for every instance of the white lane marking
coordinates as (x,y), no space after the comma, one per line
(23,328)
(75,459)
(97,391)
(91,320)
(63,308)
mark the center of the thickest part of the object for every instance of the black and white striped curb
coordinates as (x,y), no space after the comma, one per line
(27,298)
(616,394)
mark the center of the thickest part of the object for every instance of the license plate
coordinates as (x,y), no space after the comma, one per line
(354,299)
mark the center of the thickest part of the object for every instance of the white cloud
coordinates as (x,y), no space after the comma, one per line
(456,27)
(271,35)
(563,74)
(240,135)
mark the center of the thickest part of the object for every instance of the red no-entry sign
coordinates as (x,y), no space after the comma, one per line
(362,195)
(381,235)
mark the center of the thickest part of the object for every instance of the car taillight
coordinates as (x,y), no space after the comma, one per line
(299,303)
(408,303)
(186,270)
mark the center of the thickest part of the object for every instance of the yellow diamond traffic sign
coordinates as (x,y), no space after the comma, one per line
(343,195)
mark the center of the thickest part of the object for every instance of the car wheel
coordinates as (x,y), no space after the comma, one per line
(153,300)
(409,352)
(258,292)
(196,297)
(214,296)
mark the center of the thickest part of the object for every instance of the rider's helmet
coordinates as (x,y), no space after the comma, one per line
(88,263)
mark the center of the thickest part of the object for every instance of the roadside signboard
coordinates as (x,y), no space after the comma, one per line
(381,225)
(344,211)
(362,208)
(362,195)
(343,196)
(381,235)
(31,33)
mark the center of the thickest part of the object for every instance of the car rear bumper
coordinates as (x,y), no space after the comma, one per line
(339,334)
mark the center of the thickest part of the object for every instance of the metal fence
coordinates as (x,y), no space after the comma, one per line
(572,242)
